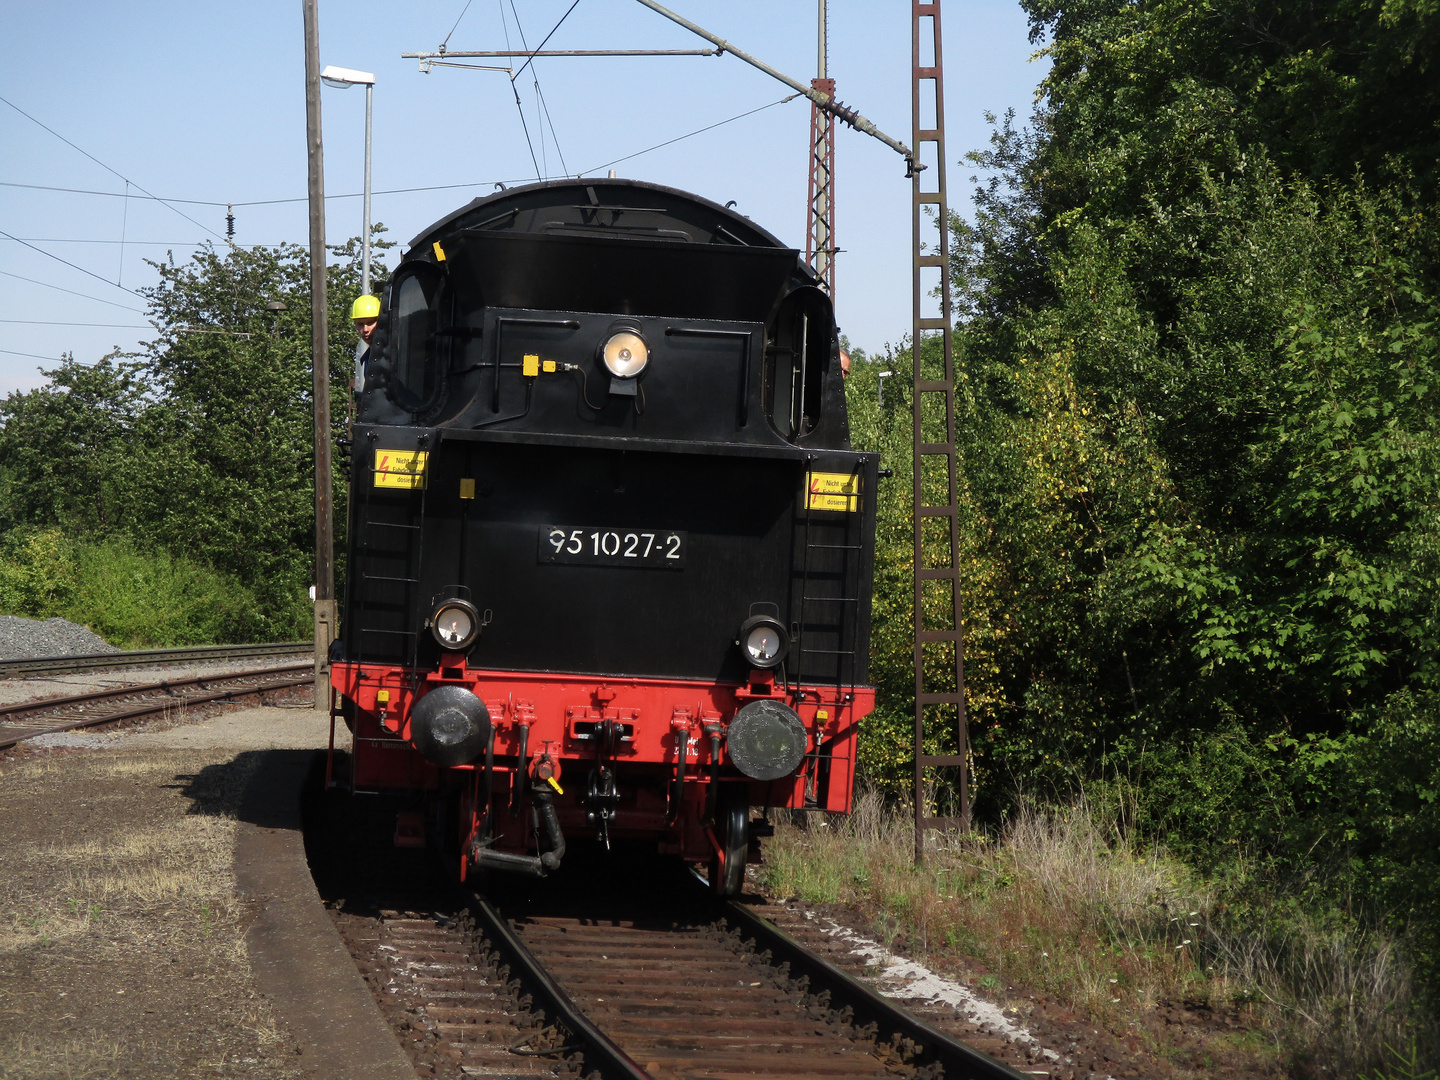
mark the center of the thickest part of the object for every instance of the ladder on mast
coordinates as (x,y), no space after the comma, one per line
(939,651)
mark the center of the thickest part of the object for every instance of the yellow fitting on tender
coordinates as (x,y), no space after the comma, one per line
(439,251)
(555,784)
(383,696)
(530,366)
(548,366)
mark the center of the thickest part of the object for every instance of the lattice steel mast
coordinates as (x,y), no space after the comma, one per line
(820,201)
(939,652)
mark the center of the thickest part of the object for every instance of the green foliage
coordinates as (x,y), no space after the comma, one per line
(134,599)
(156,600)
(203,445)
(1197,365)
(58,442)
(38,574)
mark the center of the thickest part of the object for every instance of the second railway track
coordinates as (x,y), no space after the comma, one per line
(59,665)
(43,716)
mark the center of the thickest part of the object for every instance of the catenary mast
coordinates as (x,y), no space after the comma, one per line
(820,235)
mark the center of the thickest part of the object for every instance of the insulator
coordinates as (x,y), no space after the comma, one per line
(229,223)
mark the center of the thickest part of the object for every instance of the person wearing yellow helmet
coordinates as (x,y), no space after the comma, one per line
(365,313)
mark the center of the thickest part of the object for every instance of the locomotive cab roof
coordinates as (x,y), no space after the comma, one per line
(576,206)
(741,345)
(617,246)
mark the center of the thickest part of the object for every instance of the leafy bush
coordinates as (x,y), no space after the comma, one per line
(136,599)
(38,574)
(155,600)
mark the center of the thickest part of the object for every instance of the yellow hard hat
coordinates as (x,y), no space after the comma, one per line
(366,308)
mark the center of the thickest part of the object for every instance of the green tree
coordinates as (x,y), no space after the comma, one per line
(59,443)
(1200,508)
(202,447)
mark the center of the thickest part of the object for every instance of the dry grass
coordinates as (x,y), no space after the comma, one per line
(121,938)
(26,1058)
(179,862)
(1071,905)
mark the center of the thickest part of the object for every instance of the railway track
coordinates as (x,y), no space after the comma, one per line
(639,974)
(723,995)
(60,665)
(45,716)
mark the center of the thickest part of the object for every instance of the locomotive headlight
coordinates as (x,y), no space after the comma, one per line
(763,641)
(625,354)
(455,625)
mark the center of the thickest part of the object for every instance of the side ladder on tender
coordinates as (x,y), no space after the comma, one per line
(389,557)
(828,606)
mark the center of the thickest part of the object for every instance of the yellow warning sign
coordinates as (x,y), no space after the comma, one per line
(833,491)
(400,468)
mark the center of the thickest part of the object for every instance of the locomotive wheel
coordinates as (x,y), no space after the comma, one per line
(732,830)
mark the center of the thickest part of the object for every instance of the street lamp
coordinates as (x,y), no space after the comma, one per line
(343,78)
(880,388)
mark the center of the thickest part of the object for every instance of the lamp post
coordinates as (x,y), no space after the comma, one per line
(880,387)
(344,78)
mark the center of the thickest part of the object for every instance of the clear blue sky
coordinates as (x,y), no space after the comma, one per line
(206,102)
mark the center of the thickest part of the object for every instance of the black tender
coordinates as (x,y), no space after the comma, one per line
(708,452)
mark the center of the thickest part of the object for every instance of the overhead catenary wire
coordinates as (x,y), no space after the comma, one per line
(697,131)
(355,194)
(72,266)
(542,44)
(68,322)
(170,244)
(72,292)
(124,221)
(107,168)
(37,356)
(252,202)
(504,25)
(129,243)
(541,105)
(457,23)
(545,105)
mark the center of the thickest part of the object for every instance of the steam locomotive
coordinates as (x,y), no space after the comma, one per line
(609,550)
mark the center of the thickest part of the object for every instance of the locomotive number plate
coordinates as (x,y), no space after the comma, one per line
(593,545)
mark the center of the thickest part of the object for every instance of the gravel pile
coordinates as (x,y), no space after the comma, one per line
(24,638)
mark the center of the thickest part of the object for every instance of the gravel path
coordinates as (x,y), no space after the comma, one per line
(25,638)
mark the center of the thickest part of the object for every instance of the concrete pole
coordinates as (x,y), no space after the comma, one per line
(824,52)
(320,353)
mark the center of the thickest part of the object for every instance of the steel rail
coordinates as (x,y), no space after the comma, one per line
(59,665)
(960,1062)
(922,1044)
(11,738)
(599,1051)
(43,704)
